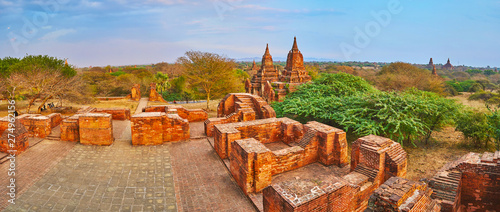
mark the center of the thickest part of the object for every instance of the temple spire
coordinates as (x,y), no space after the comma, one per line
(267,49)
(434,70)
(294,47)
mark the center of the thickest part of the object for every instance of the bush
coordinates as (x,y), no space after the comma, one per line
(483,95)
(350,103)
(474,126)
(493,101)
(476,87)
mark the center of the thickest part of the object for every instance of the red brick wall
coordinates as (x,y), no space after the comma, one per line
(39,126)
(481,187)
(175,128)
(116,113)
(70,130)
(4,124)
(154,128)
(21,139)
(155,108)
(96,129)
(147,129)
(55,119)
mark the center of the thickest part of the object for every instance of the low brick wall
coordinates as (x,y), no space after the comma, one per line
(70,129)
(155,108)
(471,183)
(253,165)
(21,139)
(336,195)
(38,126)
(192,115)
(96,129)
(116,113)
(154,128)
(4,124)
(55,119)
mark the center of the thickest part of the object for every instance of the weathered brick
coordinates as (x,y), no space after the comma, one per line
(96,129)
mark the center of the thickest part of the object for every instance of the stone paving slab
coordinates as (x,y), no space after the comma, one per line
(120,177)
(202,183)
(32,165)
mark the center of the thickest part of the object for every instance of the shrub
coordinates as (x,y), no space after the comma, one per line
(474,126)
(476,87)
(352,104)
(483,95)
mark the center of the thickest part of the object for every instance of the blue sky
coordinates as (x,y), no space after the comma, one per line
(122,32)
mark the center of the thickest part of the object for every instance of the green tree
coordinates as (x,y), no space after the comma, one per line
(162,82)
(494,125)
(41,76)
(212,75)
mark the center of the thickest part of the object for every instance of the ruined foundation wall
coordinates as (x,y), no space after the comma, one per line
(155,128)
(116,113)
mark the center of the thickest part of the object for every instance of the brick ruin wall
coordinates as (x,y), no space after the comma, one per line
(252,164)
(96,129)
(471,183)
(239,107)
(192,115)
(154,128)
(398,194)
(70,129)
(36,125)
(116,113)
(135,93)
(21,138)
(370,157)
(153,95)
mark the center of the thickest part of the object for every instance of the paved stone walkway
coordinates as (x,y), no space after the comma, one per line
(142,104)
(66,176)
(202,183)
(120,177)
(32,165)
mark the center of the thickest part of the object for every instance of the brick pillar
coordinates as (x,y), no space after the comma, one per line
(147,128)
(96,129)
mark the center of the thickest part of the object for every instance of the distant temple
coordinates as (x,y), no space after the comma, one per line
(431,64)
(273,86)
(434,70)
(448,65)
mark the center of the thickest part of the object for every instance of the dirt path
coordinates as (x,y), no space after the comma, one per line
(142,104)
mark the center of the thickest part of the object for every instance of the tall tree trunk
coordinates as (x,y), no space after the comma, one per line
(43,103)
(32,101)
(208,100)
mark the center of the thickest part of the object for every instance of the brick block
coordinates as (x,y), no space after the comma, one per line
(17,142)
(70,130)
(147,128)
(96,129)
(55,119)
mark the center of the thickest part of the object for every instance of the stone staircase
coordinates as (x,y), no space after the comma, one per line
(445,185)
(396,154)
(369,172)
(55,134)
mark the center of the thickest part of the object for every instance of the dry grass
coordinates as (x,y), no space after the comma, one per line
(202,105)
(425,160)
(445,146)
(464,99)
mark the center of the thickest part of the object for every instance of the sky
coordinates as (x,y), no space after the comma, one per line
(126,32)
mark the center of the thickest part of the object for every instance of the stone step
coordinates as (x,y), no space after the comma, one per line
(369,172)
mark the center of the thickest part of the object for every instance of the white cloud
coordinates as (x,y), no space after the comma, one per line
(56,34)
